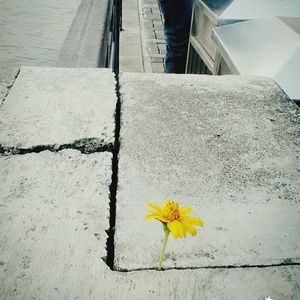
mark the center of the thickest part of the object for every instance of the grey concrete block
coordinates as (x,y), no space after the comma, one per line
(156,10)
(131,63)
(157,41)
(149,33)
(228,147)
(159,34)
(162,48)
(146,10)
(156,15)
(58,106)
(86,41)
(152,48)
(157,60)
(54,210)
(159,55)
(157,67)
(7,79)
(148,24)
(131,23)
(251,283)
(158,24)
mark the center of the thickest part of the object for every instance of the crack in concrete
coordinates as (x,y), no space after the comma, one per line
(283,264)
(9,87)
(85,146)
(110,243)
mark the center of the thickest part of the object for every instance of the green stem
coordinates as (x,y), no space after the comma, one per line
(167,232)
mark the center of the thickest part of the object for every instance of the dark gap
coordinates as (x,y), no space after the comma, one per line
(213,267)
(110,243)
(9,87)
(85,146)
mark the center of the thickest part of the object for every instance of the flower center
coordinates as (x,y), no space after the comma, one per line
(171,211)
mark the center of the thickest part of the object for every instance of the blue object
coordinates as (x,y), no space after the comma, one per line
(177,15)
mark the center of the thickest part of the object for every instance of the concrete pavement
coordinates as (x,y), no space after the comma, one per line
(226,146)
(7,79)
(72,108)
(142,45)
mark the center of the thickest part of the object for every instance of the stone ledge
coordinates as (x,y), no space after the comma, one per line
(58,106)
(54,210)
(226,146)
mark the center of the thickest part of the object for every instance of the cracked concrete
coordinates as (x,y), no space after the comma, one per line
(54,206)
(8,76)
(54,211)
(58,106)
(228,147)
(86,146)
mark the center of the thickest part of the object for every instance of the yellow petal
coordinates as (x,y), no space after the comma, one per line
(185,210)
(181,229)
(154,206)
(190,229)
(192,221)
(150,217)
(162,219)
(173,228)
(176,229)
(155,216)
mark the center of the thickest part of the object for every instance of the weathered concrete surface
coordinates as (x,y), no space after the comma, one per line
(86,42)
(32,31)
(7,78)
(131,55)
(226,146)
(58,106)
(54,210)
(208,284)
(53,213)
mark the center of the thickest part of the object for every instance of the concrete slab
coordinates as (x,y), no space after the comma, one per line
(133,54)
(86,42)
(228,147)
(7,78)
(54,210)
(58,106)
(233,284)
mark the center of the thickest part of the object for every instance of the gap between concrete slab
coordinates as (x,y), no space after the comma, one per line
(110,243)
(85,146)
(9,87)
(288,263)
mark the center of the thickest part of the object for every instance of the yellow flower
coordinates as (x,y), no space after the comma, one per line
(174,217)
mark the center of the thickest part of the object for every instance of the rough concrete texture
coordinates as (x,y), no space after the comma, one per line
(228,147)
(54,210)
(131,53)
(205,284)
(85,44)
(58,106)
(7,78)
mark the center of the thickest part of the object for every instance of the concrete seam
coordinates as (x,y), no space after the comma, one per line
(212,267)
(85,146)
(110,243)
(10,87)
